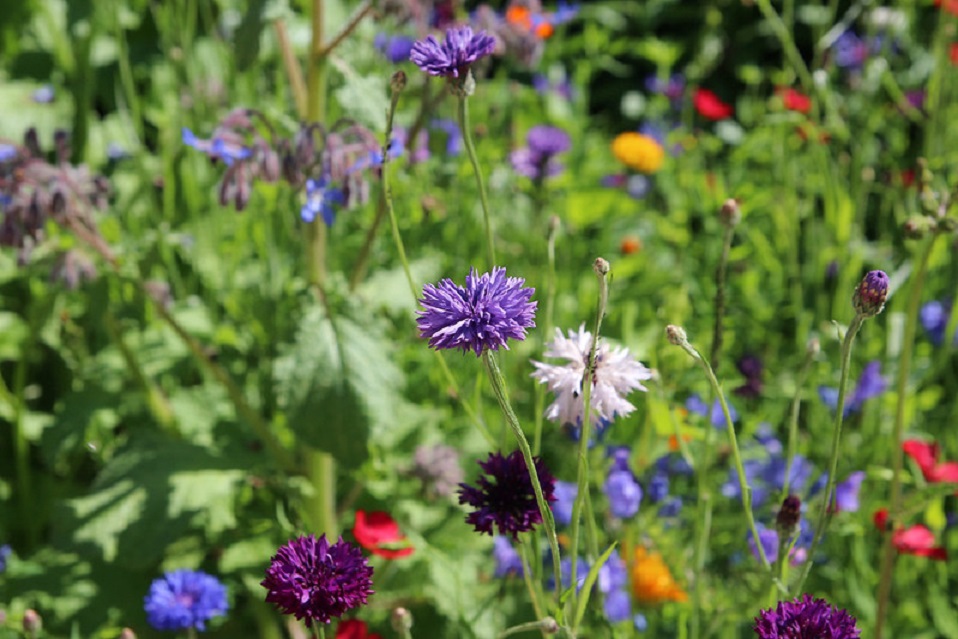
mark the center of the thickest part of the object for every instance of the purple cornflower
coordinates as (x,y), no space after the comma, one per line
(184,599)
(846,493)
(624,493)
(537,160)
(396,49)
(673,88)
(228,150)
(871,293)
(934,317)
(565,494)
(750,366)
(696,405)
(491,309)
(850,51)
(805,617)
(769,540)
(453,57)
(658,487)
(504,497)
(506,557)
(320,198)
(870,384)
(315,581)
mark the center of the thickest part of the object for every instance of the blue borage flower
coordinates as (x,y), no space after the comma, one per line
(483,315)
(503,497)
(218,148)
(316,581)
(320,200)
(184,599)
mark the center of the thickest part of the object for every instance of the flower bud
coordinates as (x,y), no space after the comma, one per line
(401,620)
(789,515)
(869,297)
(398,82)
(127,633)
(814,347)
(676,335)
(32,623)
(549,626)
(730,214)
(601,267)
(916,227)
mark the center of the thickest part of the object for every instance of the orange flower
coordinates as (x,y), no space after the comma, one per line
(630,244)
(522,17)
(639,152)
(652,582)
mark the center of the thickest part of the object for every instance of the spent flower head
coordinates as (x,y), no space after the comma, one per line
(316,581)
(616,375)
(483,315)
(504,496)
(184,599)
(805,617)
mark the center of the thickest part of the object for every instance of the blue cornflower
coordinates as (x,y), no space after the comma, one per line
(850,51)
(696,405)
(565,493)
(184,599)
(934,317)
(483,315)
(671,507)
(320,198)
(846,493)
(453,57)
(870,384)
(5,552)
(396,49)
(624,493)
(537,160)
(219,148)
(658,487)
(506,557)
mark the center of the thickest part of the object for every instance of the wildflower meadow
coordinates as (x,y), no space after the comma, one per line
(425,319)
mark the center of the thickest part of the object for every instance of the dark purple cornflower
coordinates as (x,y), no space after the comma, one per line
(320,198)
(751,367)
(396,48)
(491,309)
(537,160)
(504,497)
(313,580)
(805,618)
(184,599)
(453,57)
(870,384)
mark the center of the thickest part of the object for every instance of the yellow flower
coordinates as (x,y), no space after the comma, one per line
(652,582)
(639,152)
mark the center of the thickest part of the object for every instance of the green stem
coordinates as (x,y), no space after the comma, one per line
(531,585)
(720,275)
(585,430)
(499,389)
(901,384)
(824,516)
(477,170)
(810,354)
(733,444)
(788,43)
(546,332)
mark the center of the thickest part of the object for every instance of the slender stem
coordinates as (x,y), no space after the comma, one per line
(790,445)
(585,431)
(721,272)
(531,585)
(293,71)
(788,43)
(499,389)
(901,384)
(546,331)
(477,170)
(361,12)
(733,443)
(362,259)
(825,514)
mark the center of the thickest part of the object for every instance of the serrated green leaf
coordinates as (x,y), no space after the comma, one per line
(335,382)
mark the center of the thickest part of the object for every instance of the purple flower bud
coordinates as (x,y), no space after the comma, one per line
(869,298)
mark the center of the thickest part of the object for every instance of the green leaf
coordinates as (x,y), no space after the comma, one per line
(589,582)
(335,382)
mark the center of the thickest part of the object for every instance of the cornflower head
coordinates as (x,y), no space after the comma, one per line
(623,492)
(184,599)
(315,581)
(805,617)
(616,375)
(504,496)
(396,48)
(537,160)
(639,152)
(453,57)
(483,315)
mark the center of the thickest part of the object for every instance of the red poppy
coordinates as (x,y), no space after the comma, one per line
(918,540)
(795,100)
(881,519)
(926,456)
(907,178)
(951,6)
(354,629)
(710,106)
(953,53)
(379,533)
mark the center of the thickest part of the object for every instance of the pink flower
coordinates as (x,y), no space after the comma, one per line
(710,106)
(925,455)
(918,540)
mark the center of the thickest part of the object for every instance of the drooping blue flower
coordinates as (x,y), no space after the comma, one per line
(565,494)
(805,617)
(184,599)
(506,557)
(453,57)
(395,48)
(320,200)
(219,148)
(624,493)
(504,497)
(483,315)
(870,384)
(316,581)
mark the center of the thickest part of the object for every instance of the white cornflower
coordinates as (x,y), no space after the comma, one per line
(616,375)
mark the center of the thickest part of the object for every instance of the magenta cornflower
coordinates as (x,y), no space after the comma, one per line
(805,618)
(453,57)
(490,310)
(316,581)
(504,497)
